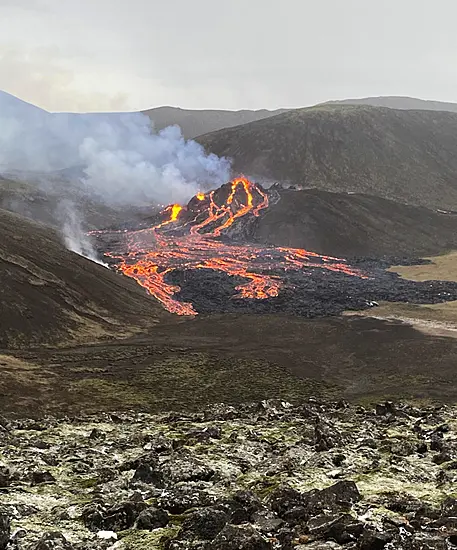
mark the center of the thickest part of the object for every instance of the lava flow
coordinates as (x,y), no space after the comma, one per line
(189,238)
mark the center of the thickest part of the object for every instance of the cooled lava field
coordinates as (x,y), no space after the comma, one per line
(198,259)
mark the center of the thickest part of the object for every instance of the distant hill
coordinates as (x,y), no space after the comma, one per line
(197,122)
(399,102)
(49,295)
(407,156)
(345,225)
(193,122)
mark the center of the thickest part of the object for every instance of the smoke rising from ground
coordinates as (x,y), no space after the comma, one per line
(120,158)
(75,238)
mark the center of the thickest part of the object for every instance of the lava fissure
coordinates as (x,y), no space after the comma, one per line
(188,238)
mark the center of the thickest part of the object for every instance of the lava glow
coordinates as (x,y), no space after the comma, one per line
(190,238)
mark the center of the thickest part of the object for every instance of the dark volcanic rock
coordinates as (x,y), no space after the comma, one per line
(42,477)
(53,541)
(284,499)
(341,528)
(343,495)
(122,516)
(239,538)
(5,530)
(270,487)
(152,518)
(314,293)
(5,476)
(242,506)
(374,540)
(183,497)
(146,474)
(204,524)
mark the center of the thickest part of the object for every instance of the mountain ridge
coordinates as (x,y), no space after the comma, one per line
(398,102)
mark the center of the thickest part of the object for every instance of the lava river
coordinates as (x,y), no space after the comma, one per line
(196,237)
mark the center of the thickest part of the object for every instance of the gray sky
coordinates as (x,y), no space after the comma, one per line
(83,55)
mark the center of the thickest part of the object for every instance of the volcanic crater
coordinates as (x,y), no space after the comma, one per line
(201,258)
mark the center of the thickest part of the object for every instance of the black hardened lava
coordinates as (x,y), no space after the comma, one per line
(310,293)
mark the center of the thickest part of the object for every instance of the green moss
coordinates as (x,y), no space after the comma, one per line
(88,483)
(147,540)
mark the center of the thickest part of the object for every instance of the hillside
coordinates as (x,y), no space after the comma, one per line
(399,102)
(408,156)
(49,295)
(197,122)
(29,198)
(346,225)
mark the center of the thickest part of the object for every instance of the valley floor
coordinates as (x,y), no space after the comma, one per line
(233,358)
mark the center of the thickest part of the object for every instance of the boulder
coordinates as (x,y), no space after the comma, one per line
(145,473)
(152,518)
(5,476)
(187,469)
(53,541)
(39,478)
(242,506)
(203,524)
(181,498)
(374,540)
(97,435)
(284,498)
(119,517)
(122,516)
(236,537)
(340,496)
(341,528)
(5,529)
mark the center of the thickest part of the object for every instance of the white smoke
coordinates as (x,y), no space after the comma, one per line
(75,238)
(120,157)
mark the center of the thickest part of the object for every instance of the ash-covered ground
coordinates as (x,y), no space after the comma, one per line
(262,476)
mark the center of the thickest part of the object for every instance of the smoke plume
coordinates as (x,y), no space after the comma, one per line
(119,157)
(75,238)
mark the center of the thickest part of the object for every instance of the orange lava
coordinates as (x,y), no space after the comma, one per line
(184,241)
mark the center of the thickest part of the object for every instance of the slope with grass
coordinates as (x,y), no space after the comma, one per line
(407,156)
(49,295)
(346,225)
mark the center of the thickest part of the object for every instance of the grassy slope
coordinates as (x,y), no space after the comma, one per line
(49,295)
(346,225)
(407,156)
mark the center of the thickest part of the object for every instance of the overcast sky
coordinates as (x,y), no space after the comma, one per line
(83,55)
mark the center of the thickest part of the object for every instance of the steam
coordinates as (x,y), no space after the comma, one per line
(75,238)
(118,157)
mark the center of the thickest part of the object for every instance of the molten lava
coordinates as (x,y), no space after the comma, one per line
(189,238)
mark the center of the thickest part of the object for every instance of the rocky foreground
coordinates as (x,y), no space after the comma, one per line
(256,477)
